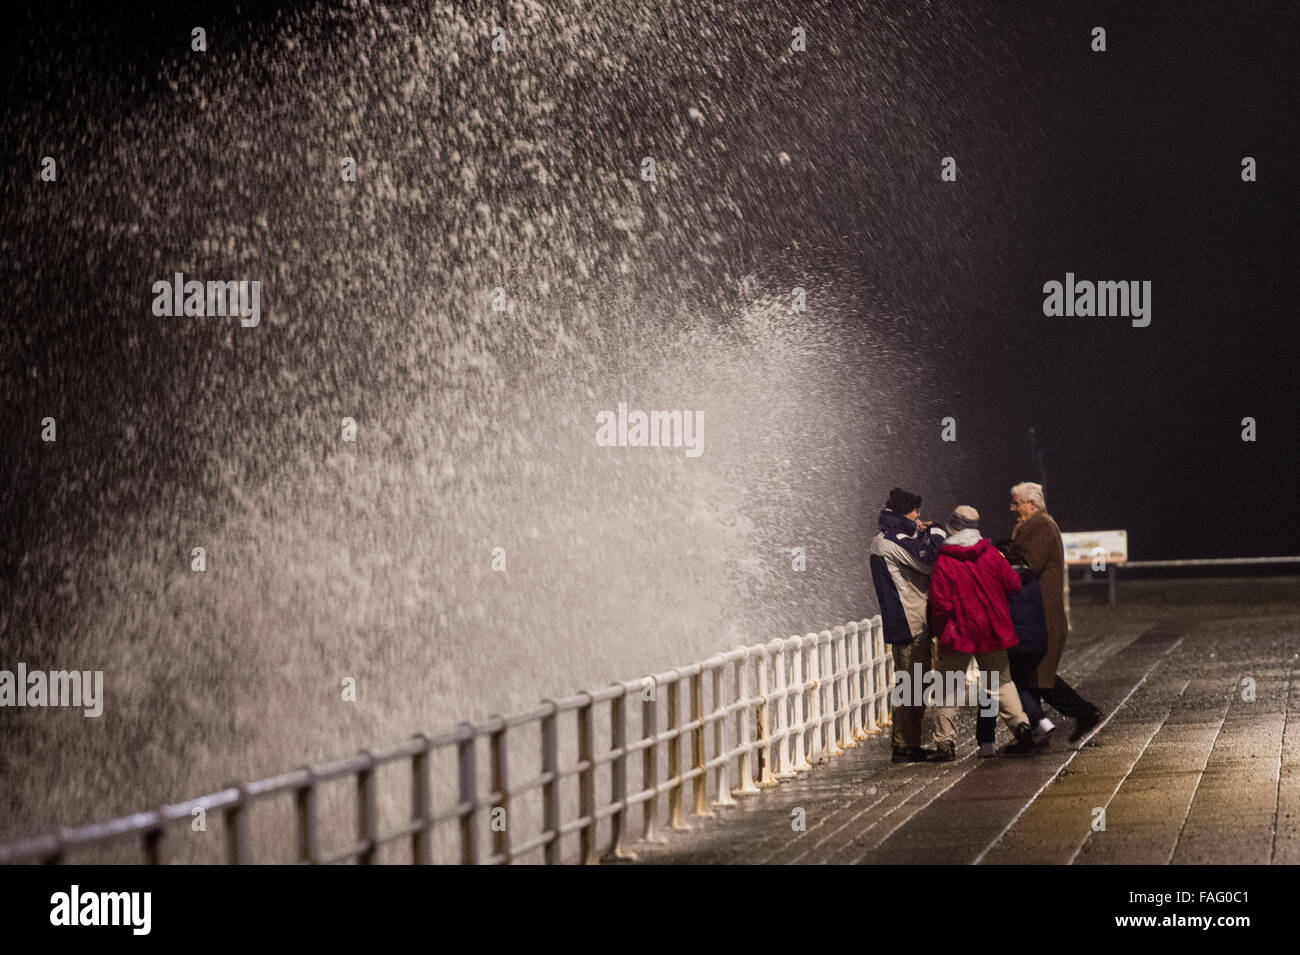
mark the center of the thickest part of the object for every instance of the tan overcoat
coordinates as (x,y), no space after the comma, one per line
(1040,541)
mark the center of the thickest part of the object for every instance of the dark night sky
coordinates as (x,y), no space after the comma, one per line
(1132,172)
(1129,168)
(1140,178)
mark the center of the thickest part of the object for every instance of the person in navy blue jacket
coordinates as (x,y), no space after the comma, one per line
(1030,621)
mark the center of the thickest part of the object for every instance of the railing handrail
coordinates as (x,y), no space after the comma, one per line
(787,721)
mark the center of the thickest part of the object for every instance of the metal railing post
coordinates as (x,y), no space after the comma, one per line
(782,693)
(236,817)
(499,755)
(155,840)
(840,665)
(421,804)
(744,769)
(59,854)
(815,710)
(675,819)
(700,784)
(721,782)
(367,812)
(765,750)
(799,685)
(467,793)
(551,787)
(873,677)
(305,810)
(851,663)
(869,664)
(650,763)
(885,661)
(853,651)
(826,680)
(618,776)
(587,784)
(835,735)
(837,728)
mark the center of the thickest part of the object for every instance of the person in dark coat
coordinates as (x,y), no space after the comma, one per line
(1030,621)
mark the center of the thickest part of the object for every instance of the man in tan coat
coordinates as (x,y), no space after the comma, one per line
(1040,541)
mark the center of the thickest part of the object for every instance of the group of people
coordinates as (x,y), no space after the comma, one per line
(948,595)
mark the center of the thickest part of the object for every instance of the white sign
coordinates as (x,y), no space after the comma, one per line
(1087,547)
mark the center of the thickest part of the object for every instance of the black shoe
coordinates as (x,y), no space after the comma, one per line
(1024,744)
(1085,724)
(944,753)
(910,754)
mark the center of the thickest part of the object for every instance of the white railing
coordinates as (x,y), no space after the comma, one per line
(764,712)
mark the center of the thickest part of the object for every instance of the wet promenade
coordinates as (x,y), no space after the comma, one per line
(1198,760)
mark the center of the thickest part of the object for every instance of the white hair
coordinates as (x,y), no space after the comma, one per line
(1031,492)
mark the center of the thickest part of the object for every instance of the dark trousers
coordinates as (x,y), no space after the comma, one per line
(1024,671)
(908,719)
(1062,698)
(986,727)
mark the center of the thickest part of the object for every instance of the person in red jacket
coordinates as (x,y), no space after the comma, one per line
(969,616)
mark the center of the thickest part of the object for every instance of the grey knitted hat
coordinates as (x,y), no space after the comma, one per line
(963,517)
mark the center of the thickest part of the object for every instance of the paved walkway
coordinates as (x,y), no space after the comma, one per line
(1188,768)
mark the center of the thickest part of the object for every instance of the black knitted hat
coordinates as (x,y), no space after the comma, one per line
(903,502)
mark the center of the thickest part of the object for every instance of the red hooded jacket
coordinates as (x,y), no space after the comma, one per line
(968,598)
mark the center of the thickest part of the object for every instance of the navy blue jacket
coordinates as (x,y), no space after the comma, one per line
(924,547)
(893,620)
(1027,614)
